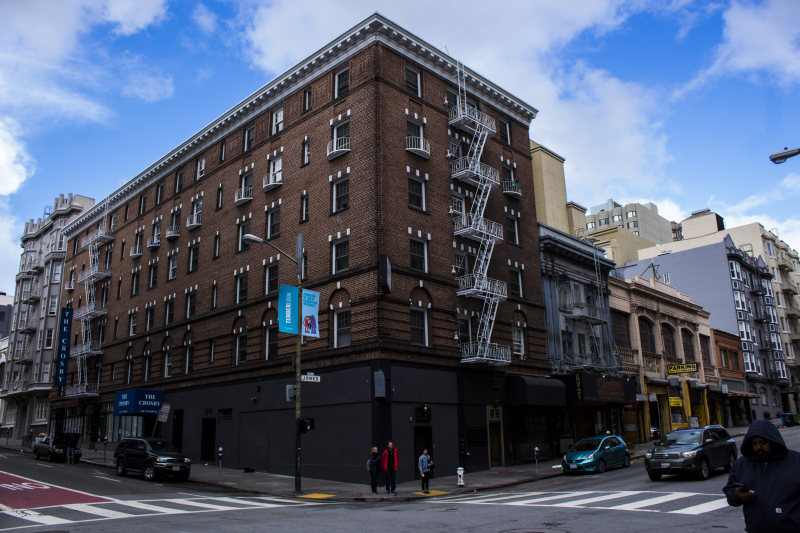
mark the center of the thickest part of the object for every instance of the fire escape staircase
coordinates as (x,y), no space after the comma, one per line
(473,225)
(91,311)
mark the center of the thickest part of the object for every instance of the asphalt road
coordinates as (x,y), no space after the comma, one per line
(622,500)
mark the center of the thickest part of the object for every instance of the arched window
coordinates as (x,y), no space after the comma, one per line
(668,335)
(646,335)
(688,345)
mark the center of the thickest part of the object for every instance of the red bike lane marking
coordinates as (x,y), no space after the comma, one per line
(24,493)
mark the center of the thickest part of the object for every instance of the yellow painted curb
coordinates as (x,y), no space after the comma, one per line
(433,493)
(317,496)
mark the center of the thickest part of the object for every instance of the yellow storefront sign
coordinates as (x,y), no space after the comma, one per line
(675,401)
(684,368)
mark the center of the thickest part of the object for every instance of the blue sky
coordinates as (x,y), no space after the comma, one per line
(675,102)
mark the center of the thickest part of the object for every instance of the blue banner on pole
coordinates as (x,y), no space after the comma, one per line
(62,355)
(288,297)
(310,313)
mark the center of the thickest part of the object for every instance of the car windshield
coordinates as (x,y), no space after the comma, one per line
(161,446)
(586,445)
(681,437)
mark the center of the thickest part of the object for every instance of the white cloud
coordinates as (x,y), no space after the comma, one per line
(608,129)
(205,19)
(141,83)
(10,230)
(758,39)
(15,163)
(132,16)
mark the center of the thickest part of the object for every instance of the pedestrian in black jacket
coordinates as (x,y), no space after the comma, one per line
(765,480)
(374,468)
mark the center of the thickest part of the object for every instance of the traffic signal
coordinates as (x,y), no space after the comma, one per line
(304,425)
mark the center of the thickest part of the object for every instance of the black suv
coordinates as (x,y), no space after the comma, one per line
(151,457)
(697,451)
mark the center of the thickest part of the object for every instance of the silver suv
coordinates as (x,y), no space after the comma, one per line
(697,451)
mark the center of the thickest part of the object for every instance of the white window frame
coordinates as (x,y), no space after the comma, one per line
(249,137)
(425,331)
(201,167)
(334,248)
(337,342)
(337,89)
(173,267)
(424,244)
(410,69)
(277,120)
(336,205)
(276,169)
(518,341)
(167,362)
(421,183)
(57,268)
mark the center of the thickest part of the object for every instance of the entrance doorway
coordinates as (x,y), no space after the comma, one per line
(208,439)
(423,438)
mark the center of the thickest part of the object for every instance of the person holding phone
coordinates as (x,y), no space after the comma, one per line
(765,481)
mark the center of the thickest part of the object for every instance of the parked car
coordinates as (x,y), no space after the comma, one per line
(595,454)
(151,457)
(53,448)
(697,451)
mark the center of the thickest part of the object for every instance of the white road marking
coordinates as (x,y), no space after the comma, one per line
(106,478)
(96,510)
(194,503)
(552,496)
(652,501)
(612,496)
(703,507)
(151,507)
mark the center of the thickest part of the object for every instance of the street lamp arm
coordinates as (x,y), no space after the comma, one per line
(783,155)
(249,237)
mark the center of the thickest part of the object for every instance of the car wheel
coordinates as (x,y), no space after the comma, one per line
(703,471)
(654,476)
(149,472)
(731,460)
(601,466)
(121,470)
(626,461)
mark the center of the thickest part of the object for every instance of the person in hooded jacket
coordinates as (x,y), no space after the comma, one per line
(765,481)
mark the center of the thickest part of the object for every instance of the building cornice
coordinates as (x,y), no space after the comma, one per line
(375,28)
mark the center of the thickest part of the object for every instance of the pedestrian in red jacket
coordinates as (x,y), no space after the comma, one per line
(390,462)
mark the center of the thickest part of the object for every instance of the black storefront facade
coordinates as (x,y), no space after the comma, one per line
(600,403)
(475,417)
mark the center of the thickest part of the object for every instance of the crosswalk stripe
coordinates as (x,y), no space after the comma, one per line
(33,516)
(703,507)
(595,499)
(247,502)
(151,507)
(96,510)
(195,503)
(652,501)
(495,499)
(552,497)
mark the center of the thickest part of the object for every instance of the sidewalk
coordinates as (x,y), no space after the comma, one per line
(283,486)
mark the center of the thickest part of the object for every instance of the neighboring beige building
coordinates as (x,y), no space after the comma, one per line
(641,219)
(706,227)
(552,207)
(661,336)
(620,244)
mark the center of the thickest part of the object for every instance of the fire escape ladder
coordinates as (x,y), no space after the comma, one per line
(476,284)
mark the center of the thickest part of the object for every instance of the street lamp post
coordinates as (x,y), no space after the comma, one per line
(298,260)
(783,155)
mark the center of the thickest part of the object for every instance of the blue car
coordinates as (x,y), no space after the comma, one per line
(595,454)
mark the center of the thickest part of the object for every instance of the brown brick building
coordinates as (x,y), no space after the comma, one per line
(373,145)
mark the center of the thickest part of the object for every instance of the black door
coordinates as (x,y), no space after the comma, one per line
(423,439)
(177,429)
(208,438)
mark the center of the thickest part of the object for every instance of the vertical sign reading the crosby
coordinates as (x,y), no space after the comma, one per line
(62,356)
(310,313)
(287,309)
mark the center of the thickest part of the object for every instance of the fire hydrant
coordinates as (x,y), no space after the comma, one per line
(460,472)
